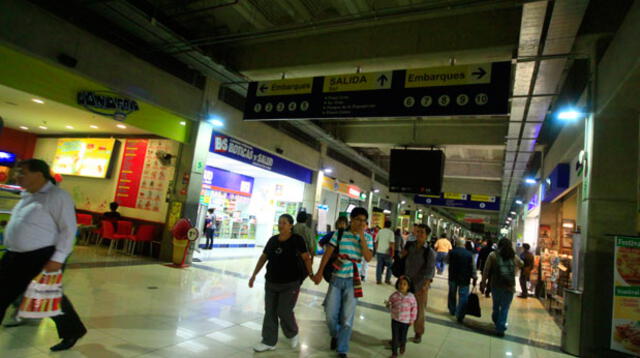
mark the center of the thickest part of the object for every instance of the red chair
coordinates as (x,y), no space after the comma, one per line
(145,233)
(84,219)
(85,224)
(107,232)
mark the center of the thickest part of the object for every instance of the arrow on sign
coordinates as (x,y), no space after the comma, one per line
(382,79)
(479,73)
(263,88)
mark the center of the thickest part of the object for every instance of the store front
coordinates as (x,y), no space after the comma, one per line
(102,145)
(337,199)
(554,247)
(249,189)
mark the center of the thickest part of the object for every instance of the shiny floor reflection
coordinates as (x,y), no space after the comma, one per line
(135,308)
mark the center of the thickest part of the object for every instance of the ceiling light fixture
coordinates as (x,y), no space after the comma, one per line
(183,123)
(42,127)
(94,127)
(39,101)
(376,190)
(327,170)
(69,127)
(530,181)
(24,128)
(519,202)
(121,126)
(569,114)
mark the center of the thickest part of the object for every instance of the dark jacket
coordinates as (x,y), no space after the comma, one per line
(528,259)
(461,269)
(482,256)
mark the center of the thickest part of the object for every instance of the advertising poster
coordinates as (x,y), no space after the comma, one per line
(135,151)
(625,327)
(88,157)
(155,176)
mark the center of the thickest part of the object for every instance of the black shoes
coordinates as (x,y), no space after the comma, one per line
(334,344)
(65,344)
(342,355)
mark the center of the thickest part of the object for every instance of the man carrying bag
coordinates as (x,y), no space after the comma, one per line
(39,237)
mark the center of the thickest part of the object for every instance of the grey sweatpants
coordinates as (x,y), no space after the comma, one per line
(279,301)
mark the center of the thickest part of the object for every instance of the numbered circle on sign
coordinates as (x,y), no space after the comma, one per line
(444,100)
(426,101)
(409,102)
(304,106)
(462,100)
(482,99)
(280,107)
(482,205)
(268,107)
(292,106)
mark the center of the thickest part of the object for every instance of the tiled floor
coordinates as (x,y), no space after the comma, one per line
(137,308)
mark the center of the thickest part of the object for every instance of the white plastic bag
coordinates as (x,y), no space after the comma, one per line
(43,296)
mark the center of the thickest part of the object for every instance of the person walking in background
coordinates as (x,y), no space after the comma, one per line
(525,274)
(501,267)
(461,272)
(482,259)
(342,223)
(420,267)
(346,286)
(404,311)
(288,263)
(40,237)
(399,242)
(302,229)
(384,255)
(210,228)
(442,247)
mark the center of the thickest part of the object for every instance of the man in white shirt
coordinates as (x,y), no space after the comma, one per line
(39,237)
(384,253)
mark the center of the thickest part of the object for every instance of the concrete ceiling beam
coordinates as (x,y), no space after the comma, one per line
(422,134)
(252,15)
(474,32)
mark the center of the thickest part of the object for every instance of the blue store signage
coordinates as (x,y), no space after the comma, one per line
(556,183)
(468,202)
(232,148)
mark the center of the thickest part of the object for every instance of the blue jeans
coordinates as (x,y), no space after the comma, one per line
(440,261)
(384,260)
(501,301)
(463,292)
(340,311)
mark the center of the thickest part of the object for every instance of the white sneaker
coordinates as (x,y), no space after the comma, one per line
(261,347)
(295,342)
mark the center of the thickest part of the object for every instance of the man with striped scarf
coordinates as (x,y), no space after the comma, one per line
(346,285)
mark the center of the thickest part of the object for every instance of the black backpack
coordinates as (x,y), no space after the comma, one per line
(505,271)
(327,273)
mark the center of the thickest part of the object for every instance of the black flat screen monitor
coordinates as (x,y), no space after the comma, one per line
(416,171)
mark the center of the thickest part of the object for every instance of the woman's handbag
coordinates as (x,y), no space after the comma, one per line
(43,296)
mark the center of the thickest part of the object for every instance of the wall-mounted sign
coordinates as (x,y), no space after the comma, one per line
(108,104)
(480,89)
(222,180)
(457,200)
(235,149)
(7,159)
(625,323)
(556,183)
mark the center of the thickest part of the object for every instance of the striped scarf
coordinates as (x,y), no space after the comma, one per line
(357,281)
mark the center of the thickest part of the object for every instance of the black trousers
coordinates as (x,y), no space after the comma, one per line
(398,335)
(17,269)
(279,301)
(208,233)
(524,279)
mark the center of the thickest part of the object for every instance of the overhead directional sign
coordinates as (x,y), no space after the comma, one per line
(463,201)
(481,89)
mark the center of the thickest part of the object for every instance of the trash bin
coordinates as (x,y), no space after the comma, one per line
(571,322)
(179,246)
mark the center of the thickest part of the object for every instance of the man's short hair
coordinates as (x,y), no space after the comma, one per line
(39,166)
(426,228)
(387,224)
(526,246)
(302,217)
(359,211)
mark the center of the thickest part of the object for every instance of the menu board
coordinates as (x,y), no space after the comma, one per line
(87,157)
(135,151)
(625,326)
(155,177)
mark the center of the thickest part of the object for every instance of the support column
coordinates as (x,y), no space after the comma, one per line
(609,207)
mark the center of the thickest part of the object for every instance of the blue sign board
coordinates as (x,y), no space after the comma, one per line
(491,203)
(223,180)
(232,148)
(7,159)
(556,183)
